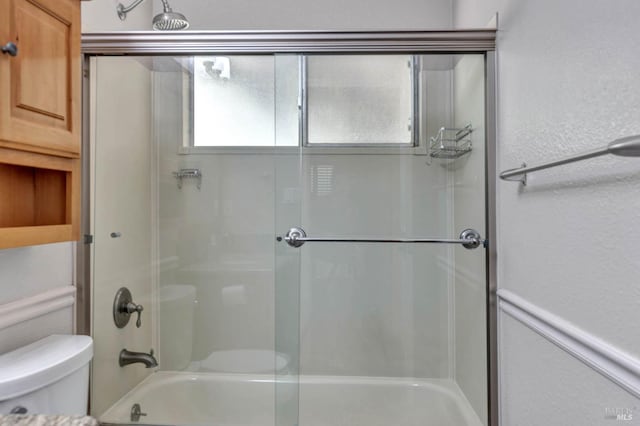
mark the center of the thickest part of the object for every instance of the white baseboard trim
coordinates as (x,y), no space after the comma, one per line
(32,307)
(612,363)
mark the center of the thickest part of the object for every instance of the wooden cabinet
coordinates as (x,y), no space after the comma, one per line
(40,115)
(40,86)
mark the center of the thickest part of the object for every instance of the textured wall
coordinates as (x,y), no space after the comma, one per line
(543,385)
(568,82)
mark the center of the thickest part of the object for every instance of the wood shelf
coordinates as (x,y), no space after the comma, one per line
(39,198)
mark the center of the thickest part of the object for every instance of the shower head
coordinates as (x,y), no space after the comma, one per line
(165,21)
(169,20)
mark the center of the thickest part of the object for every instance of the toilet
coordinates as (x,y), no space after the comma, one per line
(50,376)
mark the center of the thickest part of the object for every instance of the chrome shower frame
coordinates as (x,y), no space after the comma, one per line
(478,41)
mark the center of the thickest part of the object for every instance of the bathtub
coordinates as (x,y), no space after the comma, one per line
(217,399)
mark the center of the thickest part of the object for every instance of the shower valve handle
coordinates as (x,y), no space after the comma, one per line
(123,307)
(131,308)
(10,48)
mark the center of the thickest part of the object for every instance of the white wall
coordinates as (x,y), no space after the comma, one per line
(31,271)
(101,16)
(568,82)
(312,15)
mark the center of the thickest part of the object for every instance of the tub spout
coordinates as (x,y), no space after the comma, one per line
(130,357)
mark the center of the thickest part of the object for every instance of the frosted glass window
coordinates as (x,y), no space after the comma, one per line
(363,99)
(234,101)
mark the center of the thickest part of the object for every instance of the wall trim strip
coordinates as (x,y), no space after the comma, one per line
(614,364)
(35,306)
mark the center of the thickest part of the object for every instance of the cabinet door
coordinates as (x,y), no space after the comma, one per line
(40,86)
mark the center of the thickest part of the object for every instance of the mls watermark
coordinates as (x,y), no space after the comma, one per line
(619,413)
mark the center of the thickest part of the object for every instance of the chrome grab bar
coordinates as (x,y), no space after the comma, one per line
(623,147)
(469,238)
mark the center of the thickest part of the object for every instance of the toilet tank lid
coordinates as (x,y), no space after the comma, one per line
(41,363)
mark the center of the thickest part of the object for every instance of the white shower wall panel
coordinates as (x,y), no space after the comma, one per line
(375,309)
(468,187)
(122,203)
(366,307)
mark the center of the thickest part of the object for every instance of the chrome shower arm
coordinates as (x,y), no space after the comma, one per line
(123,10)
(165,6)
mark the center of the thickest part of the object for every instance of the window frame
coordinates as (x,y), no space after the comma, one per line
(417,146)
(414,117)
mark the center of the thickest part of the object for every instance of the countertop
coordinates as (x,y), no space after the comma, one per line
(42,420)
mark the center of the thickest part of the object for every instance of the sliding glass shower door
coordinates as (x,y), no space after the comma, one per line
(306,234)
(381,284)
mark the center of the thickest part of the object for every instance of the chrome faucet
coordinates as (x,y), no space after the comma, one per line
(130,357)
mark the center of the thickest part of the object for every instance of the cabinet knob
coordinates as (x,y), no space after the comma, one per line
(10,48)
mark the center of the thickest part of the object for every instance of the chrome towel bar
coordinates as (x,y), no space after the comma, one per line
(469,238)
(623,147)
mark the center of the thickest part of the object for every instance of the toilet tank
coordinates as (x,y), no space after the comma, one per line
(50,376)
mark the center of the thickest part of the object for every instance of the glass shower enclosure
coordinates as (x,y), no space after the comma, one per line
(304,223)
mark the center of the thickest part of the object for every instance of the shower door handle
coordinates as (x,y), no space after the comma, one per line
(469,239)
